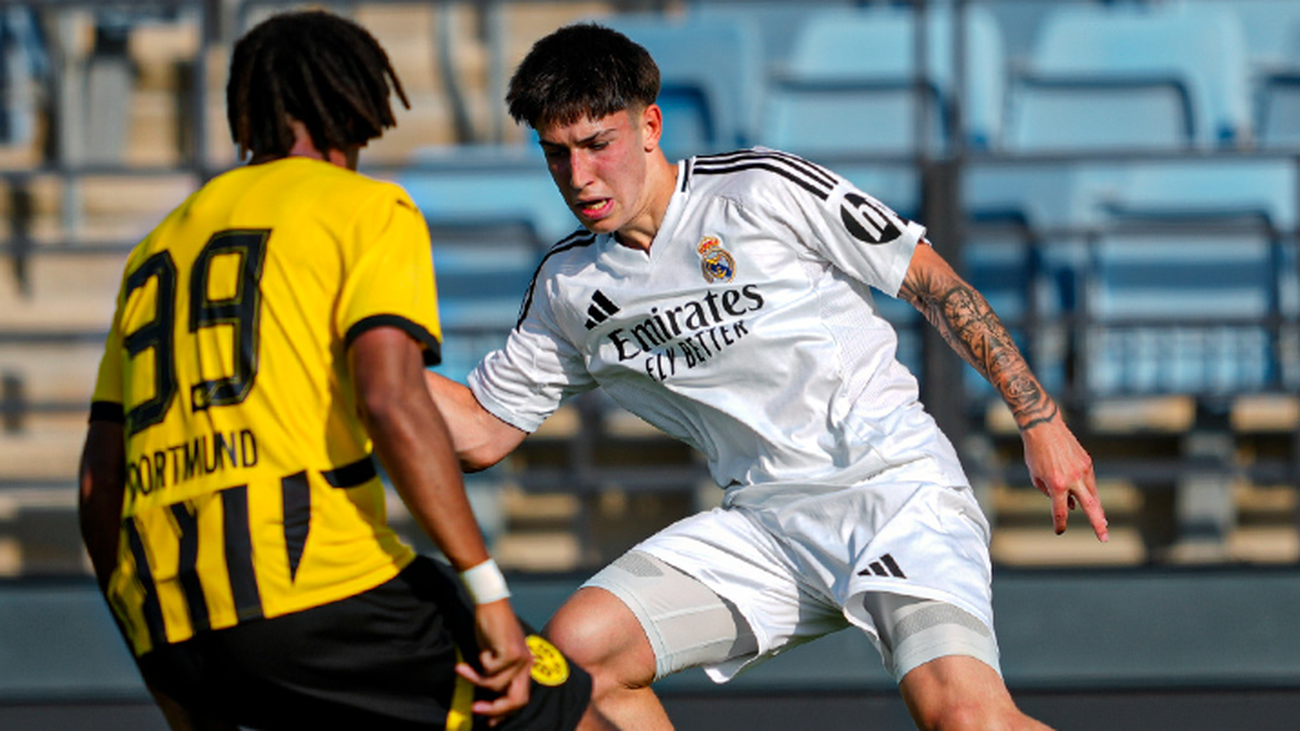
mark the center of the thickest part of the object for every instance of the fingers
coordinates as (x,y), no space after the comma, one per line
(1082,493)
(1060,509)
(507,675)
(514,697)
(496,676)
(1096,514)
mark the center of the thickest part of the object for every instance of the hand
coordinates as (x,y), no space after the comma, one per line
(1062,470)
(505,661)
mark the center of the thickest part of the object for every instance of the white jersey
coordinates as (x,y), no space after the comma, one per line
(748,330)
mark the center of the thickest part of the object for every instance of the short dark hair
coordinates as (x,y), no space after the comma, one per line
(581,70)
(324,70)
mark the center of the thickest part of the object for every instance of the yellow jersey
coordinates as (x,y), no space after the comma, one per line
(251,490)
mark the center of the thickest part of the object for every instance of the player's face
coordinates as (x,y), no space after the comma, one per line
(600,167)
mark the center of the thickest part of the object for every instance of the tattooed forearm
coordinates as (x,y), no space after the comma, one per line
(969,326)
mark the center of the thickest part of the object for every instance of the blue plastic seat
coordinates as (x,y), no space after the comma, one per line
(710,78)
(778,22)
(1190,277)
(492,212)
(1279,110)
(851,86)
(23,61)
(1272,30)
(1133,77)
(1181,313)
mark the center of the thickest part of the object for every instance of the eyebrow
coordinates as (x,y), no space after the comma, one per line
(584,141)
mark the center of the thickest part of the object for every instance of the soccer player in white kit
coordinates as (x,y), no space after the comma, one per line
(727,300)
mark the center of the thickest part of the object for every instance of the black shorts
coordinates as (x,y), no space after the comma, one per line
(383,659)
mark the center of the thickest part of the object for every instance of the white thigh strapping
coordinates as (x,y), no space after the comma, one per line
(687,624)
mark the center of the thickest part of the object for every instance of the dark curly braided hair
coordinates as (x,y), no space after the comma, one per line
(323,70)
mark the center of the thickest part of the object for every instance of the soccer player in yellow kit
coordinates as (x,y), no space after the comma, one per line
(268,344)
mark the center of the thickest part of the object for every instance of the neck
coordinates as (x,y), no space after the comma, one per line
(304,147)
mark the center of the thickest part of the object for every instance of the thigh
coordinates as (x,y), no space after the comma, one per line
(910,632)
(685,623)
(961,689)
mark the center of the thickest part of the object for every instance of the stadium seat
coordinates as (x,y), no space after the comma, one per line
(1272,30)
(1192,274)
(851,85)
(1125,77)
(1180,313)
(1279,110)
(778,22)
(23,59)
(476,184)
(710,78)
(492,212)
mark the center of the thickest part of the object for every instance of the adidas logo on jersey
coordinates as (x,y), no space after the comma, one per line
(884,566)
(600,309)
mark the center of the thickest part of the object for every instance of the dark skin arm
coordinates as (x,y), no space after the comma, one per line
(412,439)
(102,483)
(1058,464)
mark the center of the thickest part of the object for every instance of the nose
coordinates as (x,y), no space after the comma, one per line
(579,170)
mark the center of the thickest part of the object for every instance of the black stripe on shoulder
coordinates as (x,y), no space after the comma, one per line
(813,170)
(810,177)
(432,348)
(577,239)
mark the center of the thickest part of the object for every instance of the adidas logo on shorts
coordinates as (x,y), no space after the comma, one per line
(884,566)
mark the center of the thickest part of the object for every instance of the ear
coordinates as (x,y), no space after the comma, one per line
(652,127)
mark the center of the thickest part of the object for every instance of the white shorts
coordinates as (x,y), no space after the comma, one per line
(819,564)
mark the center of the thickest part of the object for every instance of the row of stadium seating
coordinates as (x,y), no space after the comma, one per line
(1150,76)
(1125,274)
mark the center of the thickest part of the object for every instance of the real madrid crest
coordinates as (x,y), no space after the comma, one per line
(716,262)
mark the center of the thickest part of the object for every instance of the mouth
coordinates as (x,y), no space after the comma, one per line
(594,209)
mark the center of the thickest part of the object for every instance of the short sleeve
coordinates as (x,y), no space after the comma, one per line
(850,229)
(106,401)
(390,282)
(524,382)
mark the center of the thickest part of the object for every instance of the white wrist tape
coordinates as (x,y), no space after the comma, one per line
(485,583)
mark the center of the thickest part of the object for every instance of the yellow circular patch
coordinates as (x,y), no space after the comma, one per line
(549,666)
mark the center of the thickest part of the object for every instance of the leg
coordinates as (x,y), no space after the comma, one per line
(960,693)
(640,619)
(946,663)
(600,633)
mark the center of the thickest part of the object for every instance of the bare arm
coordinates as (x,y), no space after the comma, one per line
(1058,464)
(479,437)
(102,482)
(412,439)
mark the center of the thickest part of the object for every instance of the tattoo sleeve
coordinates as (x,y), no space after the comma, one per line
(970,327)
